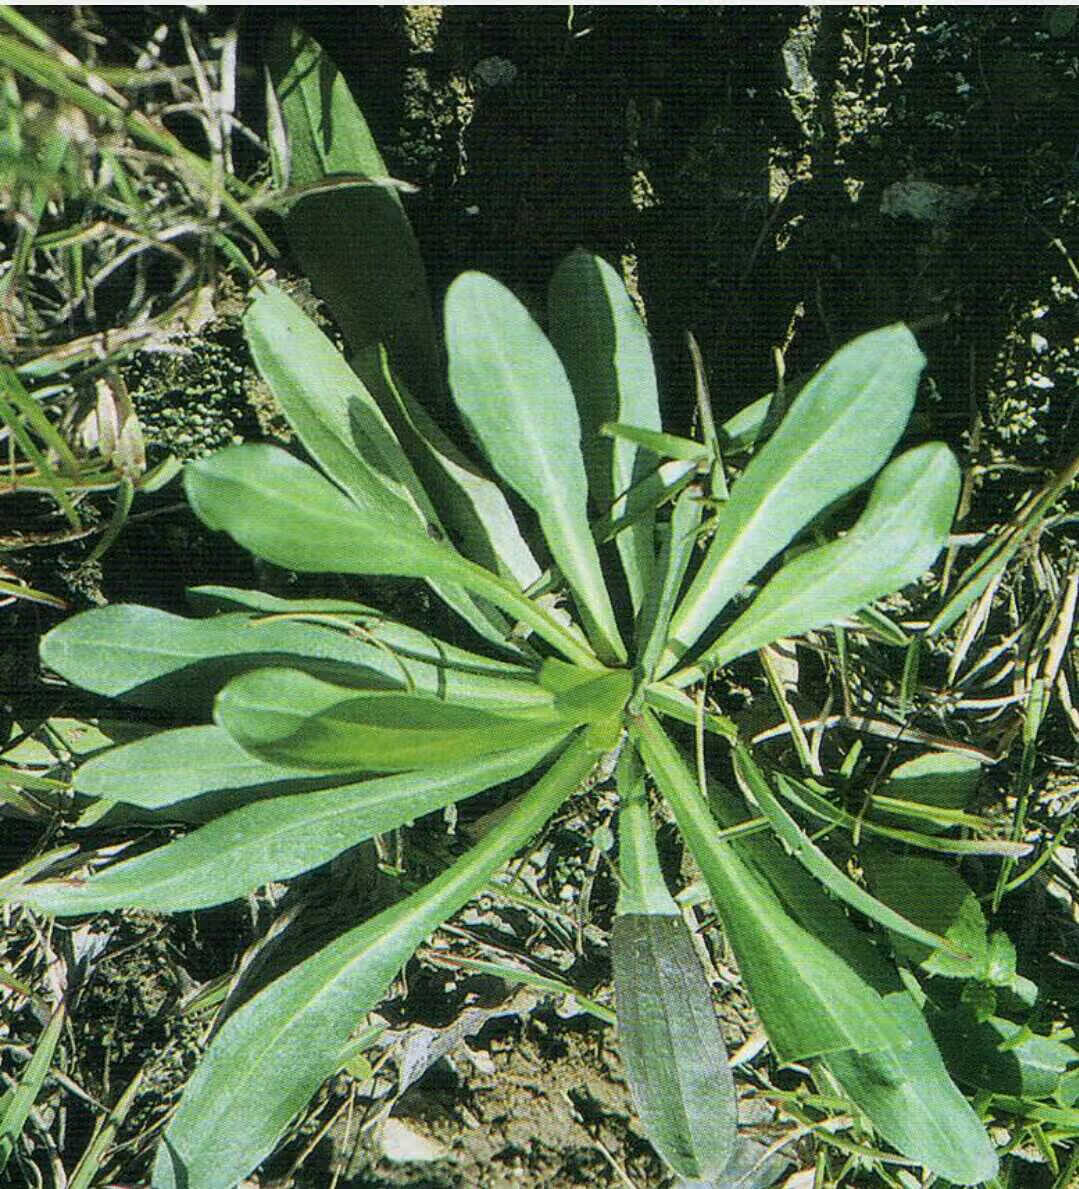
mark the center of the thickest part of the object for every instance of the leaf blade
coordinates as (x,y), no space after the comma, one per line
(272,1054)
(276,839)
(668,1035)
(812,998)
(898,537)
(838,432)
(603,345)
(512,390)
(285,716)
(369,271)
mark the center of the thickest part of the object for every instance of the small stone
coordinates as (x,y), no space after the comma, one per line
(402,1145)
(928,202)
(494,72)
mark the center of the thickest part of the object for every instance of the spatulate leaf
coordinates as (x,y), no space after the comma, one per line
(368,268)
(512,390)
(836,435)
(604,347)
(896,539)
(668,1036)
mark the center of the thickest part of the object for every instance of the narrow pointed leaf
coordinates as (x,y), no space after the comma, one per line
(812,998)
(603,345)
(944,780)
(817,863)
(809,800)
(914,1104)
(276,839)
(837,434)
(511,388)
(286,717)
(663,445)
(273,1053)
(668,1036)
(356,244)
(16,1105)
(674,559)
(897,538)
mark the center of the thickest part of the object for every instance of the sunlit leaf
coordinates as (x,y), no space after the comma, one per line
(895,540)
(511,388)
(270,1056)
(604,347)
(275,839)
(836,435)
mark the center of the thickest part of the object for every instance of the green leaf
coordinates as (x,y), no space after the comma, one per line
(836,435)
(355,245)
(799,793)
(1000,1056)
(15,1106)
(511,388)
(901,1084)
(671,1045)
(663,445)
(472,508)
(363,622)
(675,556)
(914,1104)
(909,928)
(156,659)
(334,415)
(896,539)
(174,766)
(286,512)
(807,980)
(284,716)
(275,839)
(668,1036)
(581,696)
(937,897)
(741,431)
(153,658)
(603,345)
(942,779)
(271,1055)
(345,431)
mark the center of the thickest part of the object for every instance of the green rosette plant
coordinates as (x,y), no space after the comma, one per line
(331,722)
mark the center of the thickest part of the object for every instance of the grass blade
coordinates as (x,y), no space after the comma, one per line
(21,1100)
